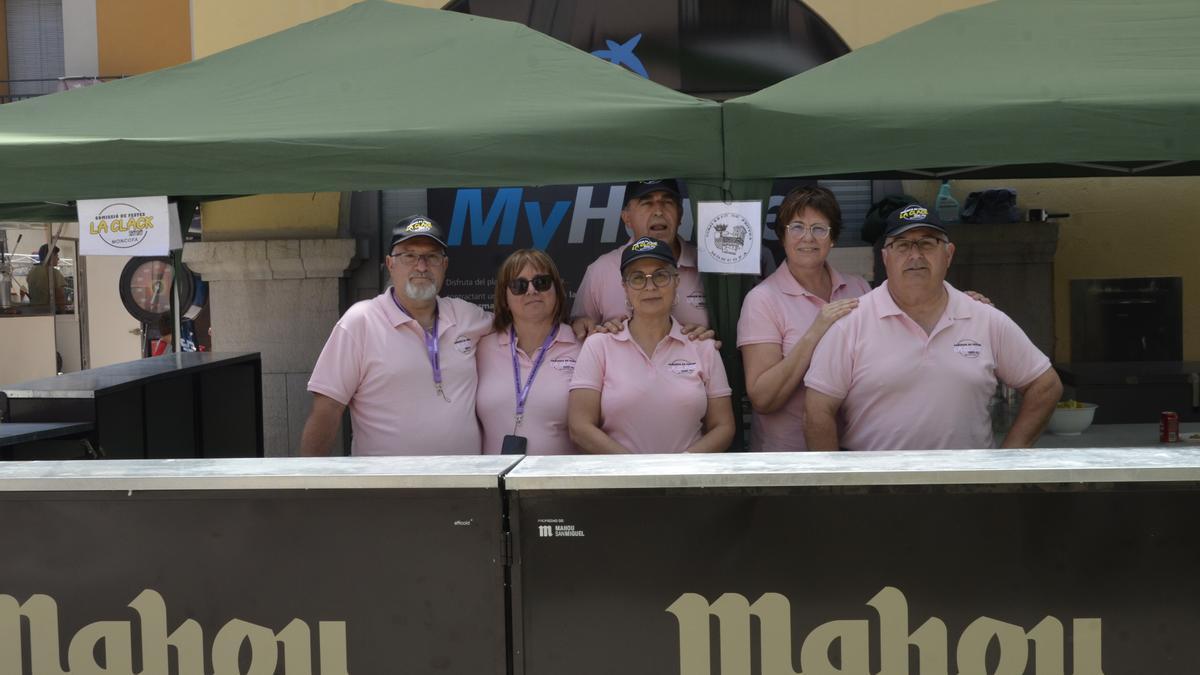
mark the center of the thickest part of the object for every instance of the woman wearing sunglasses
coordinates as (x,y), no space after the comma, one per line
(648,388)
(525,366)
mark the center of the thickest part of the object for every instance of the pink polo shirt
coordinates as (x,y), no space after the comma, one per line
(780,311)
(602,297)
(905,390)
(545,420)
(375,362)
(652,404)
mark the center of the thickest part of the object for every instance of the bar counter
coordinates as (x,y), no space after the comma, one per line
(185,405)
(119,376)
(248,565)
(1041,562)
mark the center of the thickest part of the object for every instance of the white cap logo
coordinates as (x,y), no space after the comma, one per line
(914,213)
(645,244)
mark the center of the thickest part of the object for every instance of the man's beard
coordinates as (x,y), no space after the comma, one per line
(420,292)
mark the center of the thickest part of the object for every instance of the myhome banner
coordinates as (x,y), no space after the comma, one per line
(575,224)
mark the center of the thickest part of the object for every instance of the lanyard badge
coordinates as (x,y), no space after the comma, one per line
(523,392)
(431,347)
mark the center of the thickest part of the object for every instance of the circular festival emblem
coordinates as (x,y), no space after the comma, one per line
(121,225)
(729,238)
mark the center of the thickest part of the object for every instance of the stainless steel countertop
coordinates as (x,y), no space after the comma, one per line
(256,473)
(12,433)
(934,467)
(1116,436)
(939,467)
(85,383)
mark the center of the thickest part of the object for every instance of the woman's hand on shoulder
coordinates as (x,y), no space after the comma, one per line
(696,332)
(979,297)
(830,313)
(613,325)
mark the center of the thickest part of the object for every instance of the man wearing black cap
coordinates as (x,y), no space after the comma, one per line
(403,362)
(653,208)
(39,278)
(915,366)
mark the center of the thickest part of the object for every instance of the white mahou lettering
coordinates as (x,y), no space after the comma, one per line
(111,643)
(850,640)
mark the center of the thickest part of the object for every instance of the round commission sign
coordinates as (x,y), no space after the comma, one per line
(729,237)
(121,225)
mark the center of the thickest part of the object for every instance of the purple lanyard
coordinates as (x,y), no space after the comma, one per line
(523,392)
(431,345)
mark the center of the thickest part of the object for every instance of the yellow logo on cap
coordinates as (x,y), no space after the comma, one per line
(419,225)
(644,245)
(914,213)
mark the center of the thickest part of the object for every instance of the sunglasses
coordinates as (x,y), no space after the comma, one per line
(541,283)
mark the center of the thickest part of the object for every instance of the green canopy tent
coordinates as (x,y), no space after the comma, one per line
(1014,88)
(376,96)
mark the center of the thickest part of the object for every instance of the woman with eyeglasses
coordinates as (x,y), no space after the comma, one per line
(785,316)
(648,388)
(525,366)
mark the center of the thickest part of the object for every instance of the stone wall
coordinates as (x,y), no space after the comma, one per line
(279,298)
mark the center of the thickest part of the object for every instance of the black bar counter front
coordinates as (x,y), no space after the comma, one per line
(1038,562)
(327,566)
(186,405)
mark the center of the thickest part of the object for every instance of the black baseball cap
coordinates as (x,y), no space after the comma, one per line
(912,216)
(646,247)
(417,226)
(637,188)
(44,252)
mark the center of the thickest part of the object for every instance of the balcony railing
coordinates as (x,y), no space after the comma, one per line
(19,90)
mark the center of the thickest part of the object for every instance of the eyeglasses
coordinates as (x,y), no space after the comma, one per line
(798,229)
(659,278)
(924,245)
(410,259)
(541,283)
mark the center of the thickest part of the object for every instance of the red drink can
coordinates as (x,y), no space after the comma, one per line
(1168,427)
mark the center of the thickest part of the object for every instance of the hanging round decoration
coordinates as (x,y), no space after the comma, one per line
(146,287)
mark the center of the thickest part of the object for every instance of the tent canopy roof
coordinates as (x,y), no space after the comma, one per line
(1011,88)
(376,96)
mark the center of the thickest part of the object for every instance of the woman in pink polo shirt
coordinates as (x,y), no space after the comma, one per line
(785,316)
(525,367)
(648,388)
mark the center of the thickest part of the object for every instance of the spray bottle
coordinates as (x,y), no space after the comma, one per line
(946,205)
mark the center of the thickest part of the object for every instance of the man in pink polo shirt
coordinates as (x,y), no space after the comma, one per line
(653,208)
(914,367)
(403,362)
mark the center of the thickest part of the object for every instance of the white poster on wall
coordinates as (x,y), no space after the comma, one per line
(124,226)
(176,232)
(729,237)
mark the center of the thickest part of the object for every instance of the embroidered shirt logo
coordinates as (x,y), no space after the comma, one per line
(464,345)
(682,367)
(968,348)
